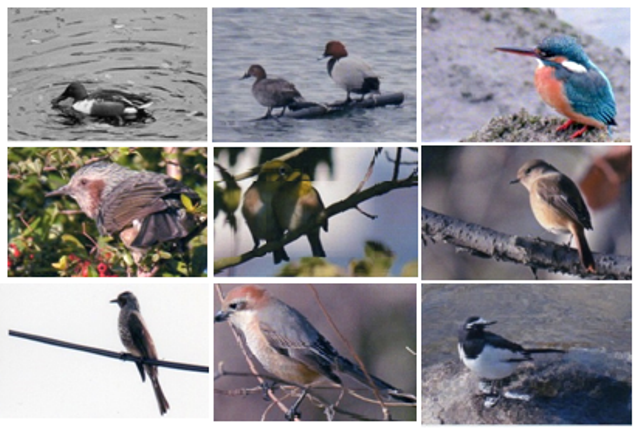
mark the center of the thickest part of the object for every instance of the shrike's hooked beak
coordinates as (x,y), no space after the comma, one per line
(221,316)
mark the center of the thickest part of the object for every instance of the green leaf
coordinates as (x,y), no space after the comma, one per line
(187,203)
(71,239)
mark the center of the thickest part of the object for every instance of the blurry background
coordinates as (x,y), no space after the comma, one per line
(471,183)
(378,320)
(288,43)
(336,173)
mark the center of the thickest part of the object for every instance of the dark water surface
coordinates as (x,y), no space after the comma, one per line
(156,52)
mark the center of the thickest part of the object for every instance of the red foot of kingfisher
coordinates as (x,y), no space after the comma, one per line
(577,134)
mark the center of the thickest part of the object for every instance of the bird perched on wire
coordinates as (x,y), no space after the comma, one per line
(296,203)
(490,356)
(289,346)
(136,339)
(144,208)
(257,206)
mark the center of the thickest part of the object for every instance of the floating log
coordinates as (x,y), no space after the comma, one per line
(311,110)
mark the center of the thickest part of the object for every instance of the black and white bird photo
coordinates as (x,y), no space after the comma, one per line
(492,358)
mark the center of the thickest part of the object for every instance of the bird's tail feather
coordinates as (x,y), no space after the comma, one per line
(586,257)
(161,227)
(543,350)
(163,404)
(386,389)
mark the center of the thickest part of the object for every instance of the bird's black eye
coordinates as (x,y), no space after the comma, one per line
(84,181)
(543,53)
(238,305)
(282,171)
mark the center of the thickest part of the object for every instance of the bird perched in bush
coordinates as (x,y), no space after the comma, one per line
(144,208)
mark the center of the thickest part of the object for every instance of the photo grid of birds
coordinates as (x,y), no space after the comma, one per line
(429,290)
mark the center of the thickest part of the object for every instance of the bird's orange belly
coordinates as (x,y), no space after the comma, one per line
(551,91)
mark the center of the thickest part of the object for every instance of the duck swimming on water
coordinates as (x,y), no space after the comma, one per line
(104,103)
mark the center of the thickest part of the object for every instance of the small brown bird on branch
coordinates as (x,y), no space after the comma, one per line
(557,204)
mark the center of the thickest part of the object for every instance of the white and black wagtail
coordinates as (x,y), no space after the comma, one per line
(490,356)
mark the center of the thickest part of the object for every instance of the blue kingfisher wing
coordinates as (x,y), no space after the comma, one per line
(589,93)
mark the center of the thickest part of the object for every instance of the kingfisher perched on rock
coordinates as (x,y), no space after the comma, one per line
(571,83)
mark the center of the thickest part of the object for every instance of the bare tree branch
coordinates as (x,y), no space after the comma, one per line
(255,170)
(339,207)
(352,351)
(291,391)
(532,252)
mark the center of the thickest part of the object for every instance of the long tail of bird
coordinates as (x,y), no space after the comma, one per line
(163,404)
(543,350)
(386,389)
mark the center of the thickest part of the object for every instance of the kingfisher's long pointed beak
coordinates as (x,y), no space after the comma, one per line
(520,51)
(59,192)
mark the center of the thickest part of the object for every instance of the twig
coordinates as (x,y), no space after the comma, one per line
(315,399)
(255,170)
(396,164)
(352,351)
(369,171)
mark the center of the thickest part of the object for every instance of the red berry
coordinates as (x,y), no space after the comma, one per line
(85,269)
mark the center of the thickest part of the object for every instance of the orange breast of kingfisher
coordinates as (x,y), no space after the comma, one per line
(552,92)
